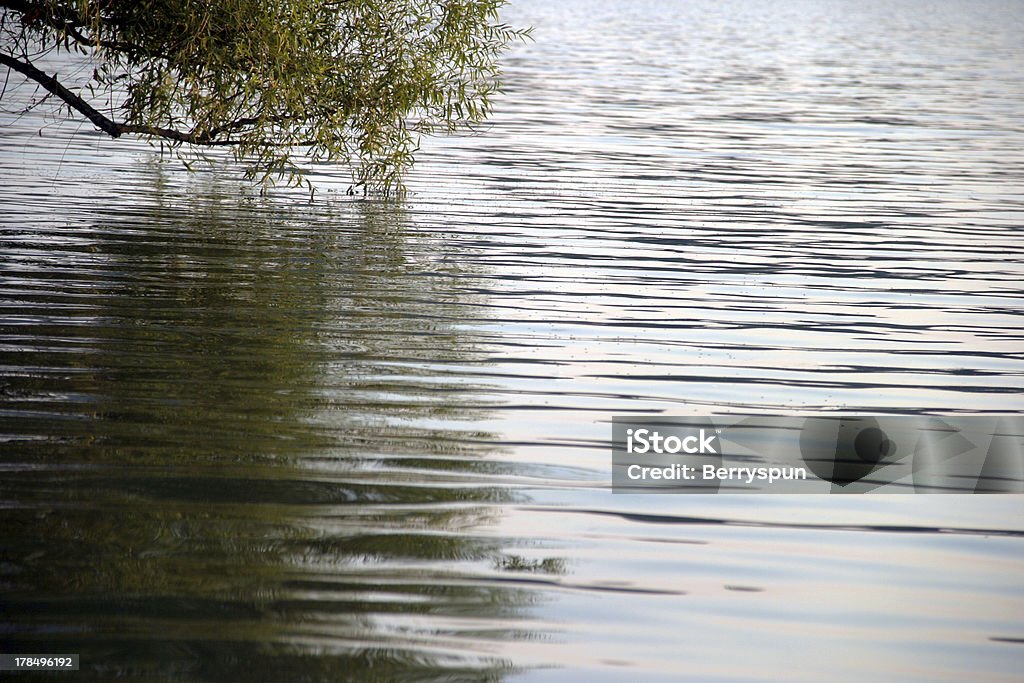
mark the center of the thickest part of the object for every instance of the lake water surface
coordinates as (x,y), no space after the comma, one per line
(248,439)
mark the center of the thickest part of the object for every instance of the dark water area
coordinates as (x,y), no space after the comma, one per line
(248,438)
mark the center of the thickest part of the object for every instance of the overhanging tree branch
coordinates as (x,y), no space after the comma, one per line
(65,20)
(176,135)
(52,85)
(349,82)
(107,125)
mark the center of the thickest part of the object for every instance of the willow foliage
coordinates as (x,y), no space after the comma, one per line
(349,81)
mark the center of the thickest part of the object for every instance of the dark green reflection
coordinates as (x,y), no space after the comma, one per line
(227,453)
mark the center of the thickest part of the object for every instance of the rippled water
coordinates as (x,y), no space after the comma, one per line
(268,440)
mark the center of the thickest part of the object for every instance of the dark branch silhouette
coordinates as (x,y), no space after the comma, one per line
(113,128)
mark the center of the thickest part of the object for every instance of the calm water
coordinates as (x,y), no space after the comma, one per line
(267,440)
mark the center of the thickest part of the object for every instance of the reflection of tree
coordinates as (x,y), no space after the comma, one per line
(197,391)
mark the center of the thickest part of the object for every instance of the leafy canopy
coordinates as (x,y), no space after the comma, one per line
(351,81)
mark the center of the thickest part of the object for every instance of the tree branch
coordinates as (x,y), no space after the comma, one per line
(177,135)
(52,85)
(65,21)
(109,126)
